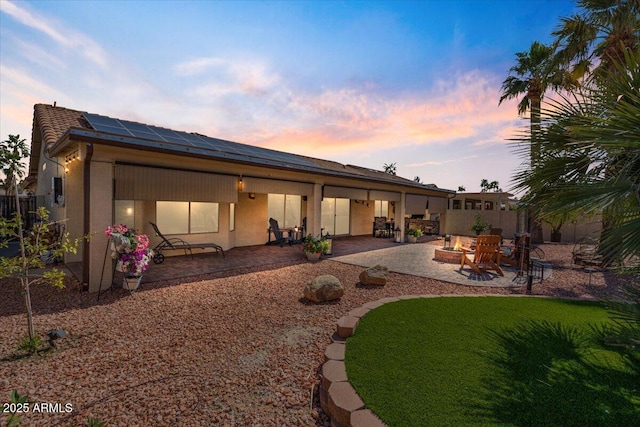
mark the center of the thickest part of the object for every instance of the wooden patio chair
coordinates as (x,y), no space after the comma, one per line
(485,257)
(277,233)
(177,244)
(495,232)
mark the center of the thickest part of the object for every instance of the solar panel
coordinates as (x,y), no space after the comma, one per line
(185,142)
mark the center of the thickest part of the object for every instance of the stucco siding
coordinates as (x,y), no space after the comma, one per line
(74,207)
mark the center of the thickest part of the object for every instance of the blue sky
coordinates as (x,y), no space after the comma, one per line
(360,82)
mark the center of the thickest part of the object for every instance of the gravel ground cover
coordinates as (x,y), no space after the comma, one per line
(238,351)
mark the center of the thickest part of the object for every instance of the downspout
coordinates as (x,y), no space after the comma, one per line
(86,185)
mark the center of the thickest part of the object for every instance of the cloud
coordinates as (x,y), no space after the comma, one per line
(440,162)
(66,37)
(218,77)
(197,66)
(20,86)
(352,119)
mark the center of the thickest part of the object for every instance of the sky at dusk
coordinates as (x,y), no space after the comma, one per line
(368,83)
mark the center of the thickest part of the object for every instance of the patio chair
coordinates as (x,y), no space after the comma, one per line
(177,244)
(380,227)
(585,253)
(495,232)
(485,257)
(277,233)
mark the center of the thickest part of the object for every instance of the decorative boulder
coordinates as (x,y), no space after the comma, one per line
(376,276)
(323,288)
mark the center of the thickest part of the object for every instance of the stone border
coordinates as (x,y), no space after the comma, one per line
(338,398)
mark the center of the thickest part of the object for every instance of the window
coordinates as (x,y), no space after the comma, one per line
(232,216)
(123,212)
(381,208)
(203,217)
(472,204)
(187,217)
(457,204)
(488,206)
(285,208)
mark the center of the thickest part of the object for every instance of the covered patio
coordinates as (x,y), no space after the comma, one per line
(245,259)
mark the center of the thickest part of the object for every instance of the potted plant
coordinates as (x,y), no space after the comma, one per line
(132,252)
(413,234)
(313,247)
(479,225)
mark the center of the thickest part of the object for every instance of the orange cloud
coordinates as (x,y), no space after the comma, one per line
(348,119)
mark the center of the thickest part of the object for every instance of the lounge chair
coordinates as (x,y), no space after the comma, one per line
(177,244)
(486,255)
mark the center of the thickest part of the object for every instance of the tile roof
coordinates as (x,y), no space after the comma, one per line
(55,121)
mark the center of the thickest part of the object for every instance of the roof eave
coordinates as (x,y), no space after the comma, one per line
(75,135)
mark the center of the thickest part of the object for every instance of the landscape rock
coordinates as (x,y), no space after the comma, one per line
(376,276)
(324,288)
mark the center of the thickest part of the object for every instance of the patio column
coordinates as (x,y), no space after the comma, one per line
(315,211)
(400,210)
(101,203)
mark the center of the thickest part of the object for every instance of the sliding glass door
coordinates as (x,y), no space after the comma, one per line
(335,216)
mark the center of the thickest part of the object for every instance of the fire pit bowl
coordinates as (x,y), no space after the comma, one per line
(448,255)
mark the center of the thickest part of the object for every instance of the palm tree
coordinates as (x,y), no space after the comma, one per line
(595,38)
(534,73)
(390,168)
(12,151)
(590,157)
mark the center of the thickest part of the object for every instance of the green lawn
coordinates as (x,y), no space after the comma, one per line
(491,361)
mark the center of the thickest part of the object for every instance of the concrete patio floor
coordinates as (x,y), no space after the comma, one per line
(417,260)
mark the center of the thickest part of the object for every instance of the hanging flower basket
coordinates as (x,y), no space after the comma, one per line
(129,248)
(131,282)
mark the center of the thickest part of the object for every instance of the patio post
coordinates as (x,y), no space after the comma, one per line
(399,216)
(314,220)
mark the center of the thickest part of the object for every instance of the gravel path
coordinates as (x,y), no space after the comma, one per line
(237,351)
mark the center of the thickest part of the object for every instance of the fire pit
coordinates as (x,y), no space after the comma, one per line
(449,254)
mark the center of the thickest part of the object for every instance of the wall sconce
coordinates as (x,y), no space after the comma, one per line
(252,196)
(240,184)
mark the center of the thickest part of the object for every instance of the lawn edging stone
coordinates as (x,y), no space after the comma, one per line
(346,326)
(334,351)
